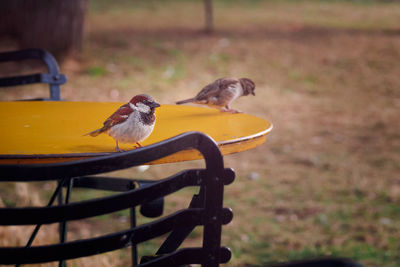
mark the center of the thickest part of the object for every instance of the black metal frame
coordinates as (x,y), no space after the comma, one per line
(206,207)
(53,78)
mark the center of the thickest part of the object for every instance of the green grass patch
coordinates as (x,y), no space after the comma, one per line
(96,71)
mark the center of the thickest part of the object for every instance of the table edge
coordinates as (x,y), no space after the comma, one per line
(98,154)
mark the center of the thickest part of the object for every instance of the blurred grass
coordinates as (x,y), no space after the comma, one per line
(327,77)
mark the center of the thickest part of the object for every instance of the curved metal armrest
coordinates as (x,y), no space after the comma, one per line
(53,78)
(117,161)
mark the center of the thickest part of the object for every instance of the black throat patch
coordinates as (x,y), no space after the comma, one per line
(148,118)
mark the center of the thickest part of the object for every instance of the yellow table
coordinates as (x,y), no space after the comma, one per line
(41,132)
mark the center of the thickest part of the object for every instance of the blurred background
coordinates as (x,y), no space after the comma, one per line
(327,180)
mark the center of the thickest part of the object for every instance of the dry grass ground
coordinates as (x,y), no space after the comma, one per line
(327,75)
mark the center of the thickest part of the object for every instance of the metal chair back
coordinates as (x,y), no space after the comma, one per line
(53,77)
(206,207)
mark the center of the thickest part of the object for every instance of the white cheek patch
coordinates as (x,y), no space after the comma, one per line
(142,107)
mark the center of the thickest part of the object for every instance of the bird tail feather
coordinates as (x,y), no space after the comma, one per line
(96,132)
(185,101)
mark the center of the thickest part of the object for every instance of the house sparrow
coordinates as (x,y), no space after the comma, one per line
(132,122)
(222,92)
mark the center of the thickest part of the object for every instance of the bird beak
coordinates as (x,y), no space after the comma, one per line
(154,105)
(253,93)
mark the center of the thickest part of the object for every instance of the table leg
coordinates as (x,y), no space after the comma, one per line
(51,201)
(176,237)
(63,225)
(134,254)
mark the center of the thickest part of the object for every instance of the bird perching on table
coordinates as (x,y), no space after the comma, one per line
(132,122)
(222,92)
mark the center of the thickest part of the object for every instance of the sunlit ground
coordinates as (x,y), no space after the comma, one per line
(326,182)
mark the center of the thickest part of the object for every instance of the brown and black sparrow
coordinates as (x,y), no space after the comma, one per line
(132,122)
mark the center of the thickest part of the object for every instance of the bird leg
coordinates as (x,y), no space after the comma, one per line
(227,109)
(139,145)
(117,148)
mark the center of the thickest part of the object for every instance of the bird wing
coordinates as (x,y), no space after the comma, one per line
(214,89)
(226,82)
(118,116)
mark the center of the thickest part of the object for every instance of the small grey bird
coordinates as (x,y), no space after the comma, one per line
(222,92)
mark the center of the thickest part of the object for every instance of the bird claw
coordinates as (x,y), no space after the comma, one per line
(233,111)
(138,145)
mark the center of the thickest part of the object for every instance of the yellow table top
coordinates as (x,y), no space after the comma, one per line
(39,132)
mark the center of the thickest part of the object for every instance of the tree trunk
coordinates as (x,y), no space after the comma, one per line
(56,26)
(208,5)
